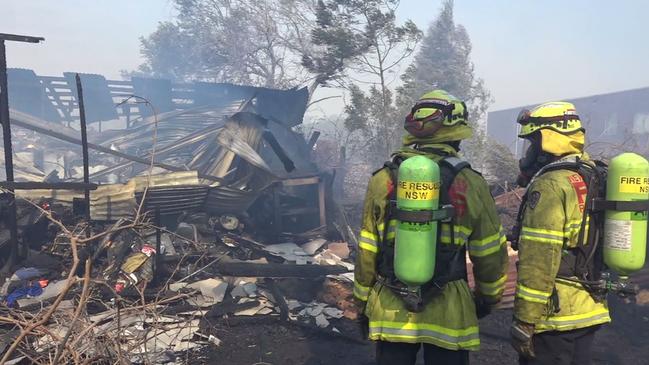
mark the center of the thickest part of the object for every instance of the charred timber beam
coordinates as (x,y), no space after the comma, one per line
(279,299)
(84,144)
(6,133)
(34,185)
(250,269)
(20,38)
(269,320)
(314,139)
(279,151)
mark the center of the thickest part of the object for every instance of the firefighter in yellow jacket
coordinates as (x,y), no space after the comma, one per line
(442,314)
(555,318)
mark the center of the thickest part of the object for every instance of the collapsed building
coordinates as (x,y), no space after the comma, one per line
(218,148)
(200,194)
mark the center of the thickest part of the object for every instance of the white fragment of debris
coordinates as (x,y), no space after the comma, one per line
(48,341)
(176,337)
(265,311)
(289,252)
(327,257)
(212,291)
(229,242)
(244,289)
(313,246)
(340,249)
(315,310)
(16,360)
(346,277)
(333,312)
(196,313)
(250,289)
(167,245)
(321,321)
(336,330)
(215,340)
(211,338)
(293,304)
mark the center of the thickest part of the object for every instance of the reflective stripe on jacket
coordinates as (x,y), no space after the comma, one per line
(449,320)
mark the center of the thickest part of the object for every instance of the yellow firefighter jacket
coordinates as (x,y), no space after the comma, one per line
(550,225)
(449,319)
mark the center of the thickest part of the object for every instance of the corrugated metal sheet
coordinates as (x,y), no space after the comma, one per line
(108,202)
(174,192)
(112,202)
(173,199)
(223,199)
(166,179)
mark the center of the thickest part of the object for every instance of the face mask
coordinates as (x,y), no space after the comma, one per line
(533,160)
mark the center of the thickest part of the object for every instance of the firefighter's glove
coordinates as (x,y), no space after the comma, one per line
(521,338)
(364,326)
(482,307)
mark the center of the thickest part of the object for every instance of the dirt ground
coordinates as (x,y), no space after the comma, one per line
(266,341)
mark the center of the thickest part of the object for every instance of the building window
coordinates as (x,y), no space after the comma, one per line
(610,125)
(641,123)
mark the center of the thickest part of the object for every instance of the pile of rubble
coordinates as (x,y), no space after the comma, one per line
(151,294)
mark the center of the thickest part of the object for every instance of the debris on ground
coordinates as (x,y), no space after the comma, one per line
(219,218)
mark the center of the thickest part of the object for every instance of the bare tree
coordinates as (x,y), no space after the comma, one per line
(251,42)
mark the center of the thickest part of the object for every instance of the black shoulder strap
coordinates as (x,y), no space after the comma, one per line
(450,167)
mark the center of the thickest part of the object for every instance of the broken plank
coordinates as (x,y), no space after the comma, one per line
(270,270)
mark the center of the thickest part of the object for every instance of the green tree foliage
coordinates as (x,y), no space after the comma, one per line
(444,62)
(359,42)
(361,36)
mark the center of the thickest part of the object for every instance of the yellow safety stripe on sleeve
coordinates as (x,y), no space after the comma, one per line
(361,292)
(369,235)
(542,235)
(488,245)
(416,332)
(493,288)
(532,295)
(461,234)
(368,241)
(592,318)
(392,227)
(571,226)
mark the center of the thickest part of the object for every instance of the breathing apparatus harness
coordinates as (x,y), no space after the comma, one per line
(450,259)
(584,263)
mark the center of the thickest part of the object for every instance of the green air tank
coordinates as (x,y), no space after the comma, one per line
(625,233)
(415,243)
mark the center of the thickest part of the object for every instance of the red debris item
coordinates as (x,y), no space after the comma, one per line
(43,283)
(148,250)
(119,287)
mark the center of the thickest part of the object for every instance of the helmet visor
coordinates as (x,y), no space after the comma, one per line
(523,117)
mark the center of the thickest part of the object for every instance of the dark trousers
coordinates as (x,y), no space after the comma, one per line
(563,347)
(399,353)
